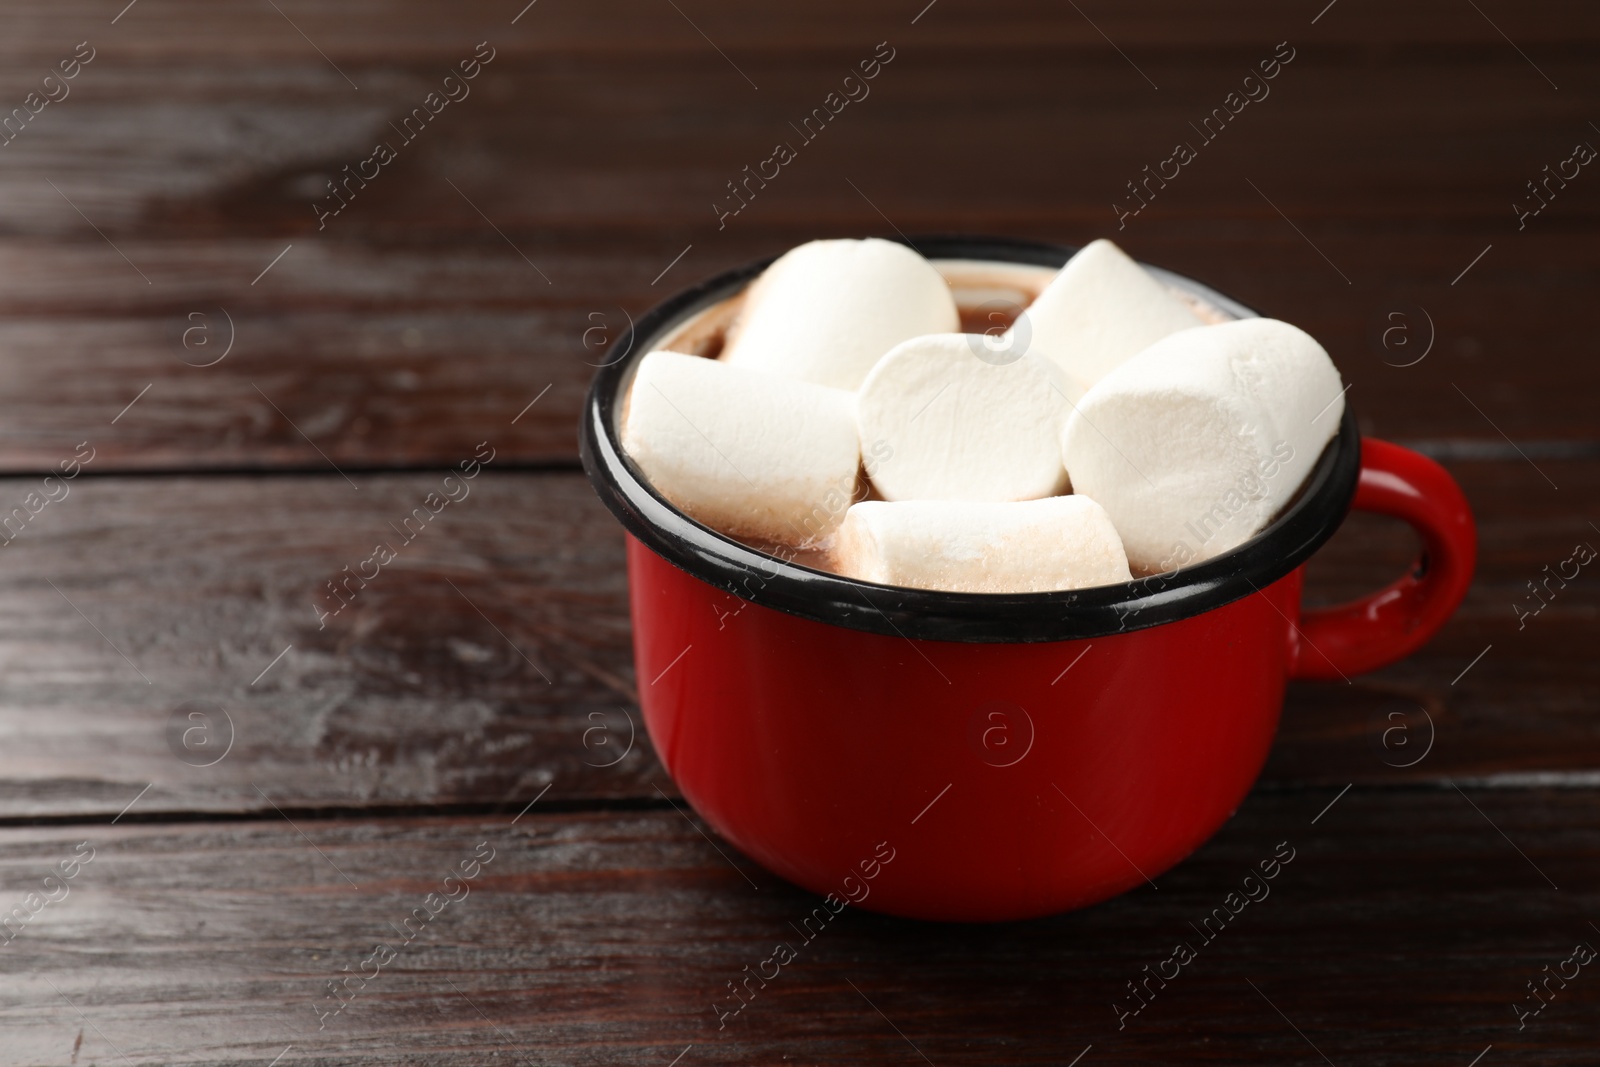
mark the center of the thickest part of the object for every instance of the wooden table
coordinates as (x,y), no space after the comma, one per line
(265,798)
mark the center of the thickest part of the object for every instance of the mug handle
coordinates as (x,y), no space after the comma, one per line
(1386,626)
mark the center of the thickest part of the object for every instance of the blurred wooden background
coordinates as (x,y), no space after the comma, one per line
(160,214)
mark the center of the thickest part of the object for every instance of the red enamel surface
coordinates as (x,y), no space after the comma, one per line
(1009,780)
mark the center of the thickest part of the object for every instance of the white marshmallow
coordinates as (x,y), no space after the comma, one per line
(1195,443)
(749,454)
(1101,309)
(826,311)
(959,427)
(1031,546)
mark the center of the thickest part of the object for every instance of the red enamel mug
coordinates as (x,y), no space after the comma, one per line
(1015,755)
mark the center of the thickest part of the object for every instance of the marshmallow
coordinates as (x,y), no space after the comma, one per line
(1101,309)
(1031,546)
(958,426)
(1196,443)
(749,454)
(826,311)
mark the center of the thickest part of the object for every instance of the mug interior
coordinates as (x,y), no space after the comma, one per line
(690,319)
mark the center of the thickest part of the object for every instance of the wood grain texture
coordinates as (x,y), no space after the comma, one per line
(1386,158)
(382,31)
(466,671)
(429,687)
(404,357)
(1402,931)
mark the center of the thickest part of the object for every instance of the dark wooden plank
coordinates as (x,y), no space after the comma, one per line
(397,357)
(373,32)
(467,671)
(1403,930)
(600,136)
(621,141)
(630,145)
(410,697)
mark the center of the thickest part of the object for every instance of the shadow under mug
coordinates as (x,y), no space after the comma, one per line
(1014,755)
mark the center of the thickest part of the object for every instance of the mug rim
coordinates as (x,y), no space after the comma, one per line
(938,615)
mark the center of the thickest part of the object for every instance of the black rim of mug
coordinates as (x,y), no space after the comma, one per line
(931,615)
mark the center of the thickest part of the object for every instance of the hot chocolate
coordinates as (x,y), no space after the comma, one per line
(989,298)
